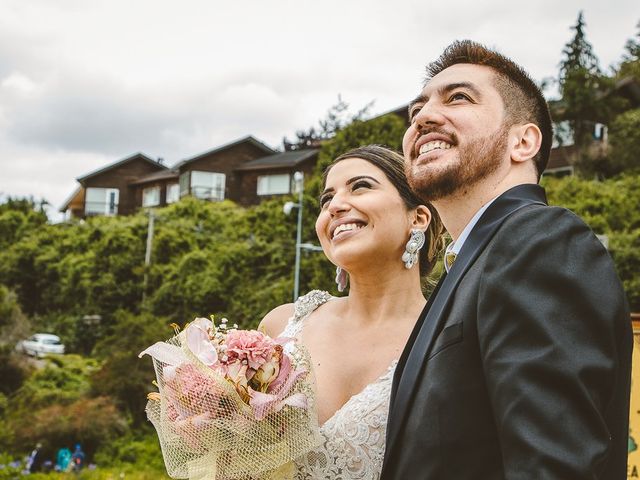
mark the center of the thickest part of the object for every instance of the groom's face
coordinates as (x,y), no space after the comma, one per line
(457,136)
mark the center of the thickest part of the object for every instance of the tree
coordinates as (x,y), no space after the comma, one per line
(624,139)
(630,66)
(581,86)
(122,375)
(386,130)
(18,217)
(336,119)
(14,326)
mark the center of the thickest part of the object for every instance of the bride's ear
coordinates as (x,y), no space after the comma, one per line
(421,218)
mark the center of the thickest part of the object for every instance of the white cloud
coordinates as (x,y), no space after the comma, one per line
(84,82)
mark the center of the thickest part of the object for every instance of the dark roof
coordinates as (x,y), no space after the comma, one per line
(282,159)
(156,176)
(629,88)
(248,139)
(121,162)
(402,112)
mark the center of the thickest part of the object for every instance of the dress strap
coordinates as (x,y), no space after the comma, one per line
(302,308)
(308,303)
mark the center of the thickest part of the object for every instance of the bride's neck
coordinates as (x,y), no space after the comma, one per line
(378,299)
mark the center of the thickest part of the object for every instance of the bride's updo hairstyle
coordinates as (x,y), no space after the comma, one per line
(392,164)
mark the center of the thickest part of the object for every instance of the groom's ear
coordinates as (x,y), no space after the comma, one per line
(422,218)
(525,142)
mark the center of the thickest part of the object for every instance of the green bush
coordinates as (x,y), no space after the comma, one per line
(134,450)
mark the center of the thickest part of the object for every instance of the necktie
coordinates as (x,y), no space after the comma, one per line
(449,258)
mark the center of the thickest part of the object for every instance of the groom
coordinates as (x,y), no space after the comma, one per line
(519,367)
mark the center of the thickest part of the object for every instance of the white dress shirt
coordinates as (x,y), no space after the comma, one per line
(456,246)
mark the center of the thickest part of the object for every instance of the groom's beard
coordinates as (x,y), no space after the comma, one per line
(473,163)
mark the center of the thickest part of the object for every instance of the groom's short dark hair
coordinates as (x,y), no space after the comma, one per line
(522,98)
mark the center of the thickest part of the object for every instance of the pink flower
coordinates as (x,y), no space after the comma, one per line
(191,392)
(265,403)
(198,340)
(237,374)
(249,345)
(266,374)
(283,375)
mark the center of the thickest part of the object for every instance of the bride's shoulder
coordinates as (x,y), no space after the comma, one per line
(274,322)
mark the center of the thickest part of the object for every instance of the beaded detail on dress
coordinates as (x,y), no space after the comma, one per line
(353,439)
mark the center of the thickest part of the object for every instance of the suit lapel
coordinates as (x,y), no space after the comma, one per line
(417,353)
(412,338)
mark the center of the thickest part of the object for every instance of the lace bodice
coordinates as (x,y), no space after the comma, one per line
(353,439)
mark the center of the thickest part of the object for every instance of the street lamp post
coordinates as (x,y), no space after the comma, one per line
(298,182)
(298,185)
(147,255)
(298,179)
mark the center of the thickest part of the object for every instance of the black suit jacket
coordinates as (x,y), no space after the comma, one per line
(519,367)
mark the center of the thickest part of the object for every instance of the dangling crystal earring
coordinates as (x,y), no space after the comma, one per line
(415,243)
(342,278)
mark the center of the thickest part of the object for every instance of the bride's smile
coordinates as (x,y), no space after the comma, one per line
(362,216)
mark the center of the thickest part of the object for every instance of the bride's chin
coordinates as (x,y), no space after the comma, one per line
(354,260)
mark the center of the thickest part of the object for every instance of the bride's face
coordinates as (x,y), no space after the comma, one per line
(363,220)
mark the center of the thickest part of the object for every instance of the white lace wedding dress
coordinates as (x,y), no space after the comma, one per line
(353,439)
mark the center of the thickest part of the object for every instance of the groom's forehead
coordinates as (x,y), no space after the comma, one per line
(461,75)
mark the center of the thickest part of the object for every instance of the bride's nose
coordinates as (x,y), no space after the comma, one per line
(338,204)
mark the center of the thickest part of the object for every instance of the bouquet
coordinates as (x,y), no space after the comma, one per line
(232,404)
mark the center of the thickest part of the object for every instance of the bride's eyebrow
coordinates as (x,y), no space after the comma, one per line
(349,182)
(360,177)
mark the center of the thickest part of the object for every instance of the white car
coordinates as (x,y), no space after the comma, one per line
(41,344)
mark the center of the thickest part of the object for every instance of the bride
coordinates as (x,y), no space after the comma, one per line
(371,226)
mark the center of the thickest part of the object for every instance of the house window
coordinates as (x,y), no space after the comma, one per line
(173,192)
(151,197)
(184,184)
(101,201)
(274,184)
(207,185)
(600,132)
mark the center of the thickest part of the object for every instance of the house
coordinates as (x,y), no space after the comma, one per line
(245,171)
(272,175)
(209,176)
(108,190)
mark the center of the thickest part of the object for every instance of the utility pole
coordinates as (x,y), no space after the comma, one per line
(147,255)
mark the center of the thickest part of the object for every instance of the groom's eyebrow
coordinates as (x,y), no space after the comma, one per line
(419,99)
(443,90)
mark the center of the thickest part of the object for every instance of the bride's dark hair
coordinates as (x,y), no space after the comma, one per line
(392,164)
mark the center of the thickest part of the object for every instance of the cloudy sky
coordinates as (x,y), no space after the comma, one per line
(84,83)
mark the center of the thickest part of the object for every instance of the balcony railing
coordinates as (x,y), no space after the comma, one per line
(208,193)
(100,208)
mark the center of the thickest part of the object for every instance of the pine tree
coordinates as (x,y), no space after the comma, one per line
(630,66)
(336,119)
(581,84)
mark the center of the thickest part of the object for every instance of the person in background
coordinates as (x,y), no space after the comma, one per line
(77,458)
(63,459)
(34,461)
